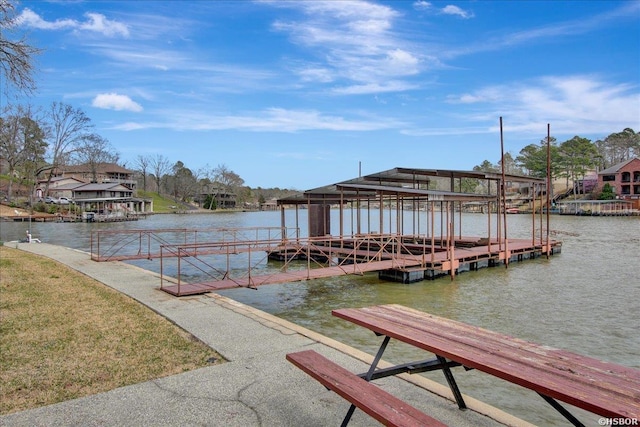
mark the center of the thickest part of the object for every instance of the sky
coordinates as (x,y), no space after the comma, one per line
(300,94)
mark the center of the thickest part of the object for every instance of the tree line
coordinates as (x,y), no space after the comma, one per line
(571,160)
(35,144)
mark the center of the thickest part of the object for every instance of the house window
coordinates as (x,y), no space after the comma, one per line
(608,178)
(625,189)
(636,189)
(626,177)
(636,176)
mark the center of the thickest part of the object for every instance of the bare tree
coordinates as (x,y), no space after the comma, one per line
(160,166)
(93,151)
(69,128)
(22,143)
(227,178)
(16,56)
(143,163)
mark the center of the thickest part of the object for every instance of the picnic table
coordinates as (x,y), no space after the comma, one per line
(600,387)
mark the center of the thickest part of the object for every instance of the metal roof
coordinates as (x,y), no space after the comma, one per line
(102,187)
(404,182)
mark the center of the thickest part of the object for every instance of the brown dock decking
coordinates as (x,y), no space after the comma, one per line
(362,261)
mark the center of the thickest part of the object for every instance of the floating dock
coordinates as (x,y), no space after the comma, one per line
(393,260)
(398,223)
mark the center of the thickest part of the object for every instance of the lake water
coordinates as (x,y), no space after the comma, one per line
(585,300)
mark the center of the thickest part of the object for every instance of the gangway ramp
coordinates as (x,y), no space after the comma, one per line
(184,289)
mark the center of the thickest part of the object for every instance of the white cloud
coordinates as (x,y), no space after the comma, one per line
(455,10)
(373,88)
(315,74)
(100,24)
(357,42)
(95,22)
(571,104)
(29,18)
(422,5)
(402,61)
(268,120)
(113,101)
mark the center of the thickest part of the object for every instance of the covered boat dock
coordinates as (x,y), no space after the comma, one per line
(406,224)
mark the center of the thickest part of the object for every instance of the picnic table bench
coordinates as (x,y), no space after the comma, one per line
(376,402)
(607,389)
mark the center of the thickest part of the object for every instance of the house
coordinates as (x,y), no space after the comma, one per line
(106,187)
(109,198)
(223,199)
(58,187)
(99,173)
(624,178)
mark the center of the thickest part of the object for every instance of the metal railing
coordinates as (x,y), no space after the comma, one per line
(114,245)
(347,254)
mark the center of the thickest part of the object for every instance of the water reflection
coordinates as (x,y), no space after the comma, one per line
(586,300)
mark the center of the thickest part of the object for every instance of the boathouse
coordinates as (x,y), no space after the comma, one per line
(404,224)
(439,247)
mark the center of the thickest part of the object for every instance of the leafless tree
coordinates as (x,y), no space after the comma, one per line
(16,55)
(143,163)
(69,128)
(93,151)
(227,178)
(160,166)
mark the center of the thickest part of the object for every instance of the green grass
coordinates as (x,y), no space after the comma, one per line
(161,204)
(64,335)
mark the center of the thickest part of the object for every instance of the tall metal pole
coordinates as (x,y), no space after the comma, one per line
(503,195)
(548,245)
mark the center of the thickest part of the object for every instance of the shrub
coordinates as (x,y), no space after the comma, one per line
(607,193)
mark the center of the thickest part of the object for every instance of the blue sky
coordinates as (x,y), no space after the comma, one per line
(297,94)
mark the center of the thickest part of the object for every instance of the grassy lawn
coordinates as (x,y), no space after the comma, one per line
(64,335)
(162,204)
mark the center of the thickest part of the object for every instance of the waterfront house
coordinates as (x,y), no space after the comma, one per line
(223,199)
(99,173)
(103,187)
(58,187)
(625,180)
(109,198)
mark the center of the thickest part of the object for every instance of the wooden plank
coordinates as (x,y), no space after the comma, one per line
(370,398)
(600,387)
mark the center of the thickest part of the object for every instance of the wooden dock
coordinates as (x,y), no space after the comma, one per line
(404,265)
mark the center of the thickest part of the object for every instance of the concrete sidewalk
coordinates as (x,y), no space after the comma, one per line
(257,387)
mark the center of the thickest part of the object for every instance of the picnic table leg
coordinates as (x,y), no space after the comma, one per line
(370,372)
(558,407)
(452,382)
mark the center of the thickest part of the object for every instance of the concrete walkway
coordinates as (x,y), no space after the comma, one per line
(256,387)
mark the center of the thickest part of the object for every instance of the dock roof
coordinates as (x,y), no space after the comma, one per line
(401,182)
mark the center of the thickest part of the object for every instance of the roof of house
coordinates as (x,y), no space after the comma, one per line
(107,186)
(616,168)
(61,178)
(100,168)
(70,186)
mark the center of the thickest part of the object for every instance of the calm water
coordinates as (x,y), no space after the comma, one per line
(586,299)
